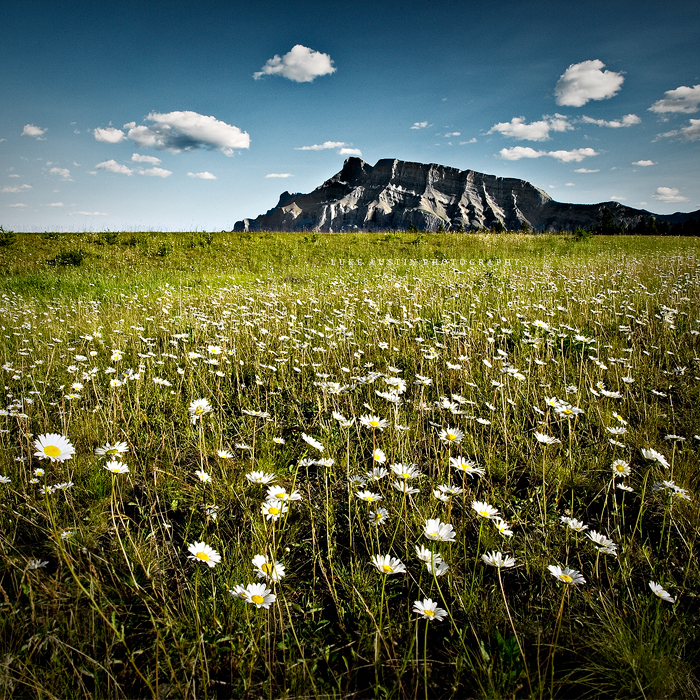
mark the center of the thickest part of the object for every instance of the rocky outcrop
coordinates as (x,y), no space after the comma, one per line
(394,194)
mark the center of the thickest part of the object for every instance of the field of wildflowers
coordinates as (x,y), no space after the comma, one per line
(286,466)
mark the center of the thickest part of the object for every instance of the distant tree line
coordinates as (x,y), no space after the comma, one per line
(645,226)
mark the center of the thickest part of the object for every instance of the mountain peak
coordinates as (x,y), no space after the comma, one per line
(395,194)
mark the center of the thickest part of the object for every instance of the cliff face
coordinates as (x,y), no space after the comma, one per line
(394,194)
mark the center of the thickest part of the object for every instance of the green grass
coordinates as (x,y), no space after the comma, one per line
(278,332)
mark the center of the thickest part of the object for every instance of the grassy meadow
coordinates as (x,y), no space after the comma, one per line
(362,465)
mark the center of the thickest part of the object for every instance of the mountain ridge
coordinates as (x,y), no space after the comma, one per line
(395,194)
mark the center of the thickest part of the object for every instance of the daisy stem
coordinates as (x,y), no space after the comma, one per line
(425,659)
(553,643)
(517,639)
(476,559)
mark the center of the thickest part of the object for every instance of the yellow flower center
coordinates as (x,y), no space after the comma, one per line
(257,599)
(52,451)
(274,510)
(369,498)
(484,513)
(202,555)
(387,569)
(199,410)
(433,534)
(566,578)
(267,568)
(374,423)
(451,436)
(429,613)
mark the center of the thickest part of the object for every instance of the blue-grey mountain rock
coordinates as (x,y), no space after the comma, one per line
(394,194)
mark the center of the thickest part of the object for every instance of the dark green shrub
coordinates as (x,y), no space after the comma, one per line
(7,238)
(69,258)
(582,234)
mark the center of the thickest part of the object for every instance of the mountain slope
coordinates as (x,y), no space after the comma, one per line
(395,194)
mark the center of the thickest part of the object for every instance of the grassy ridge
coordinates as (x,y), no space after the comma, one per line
(110,338)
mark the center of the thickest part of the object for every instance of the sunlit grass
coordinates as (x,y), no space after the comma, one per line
(359,401)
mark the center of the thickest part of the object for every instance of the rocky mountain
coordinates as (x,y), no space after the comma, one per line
(394,194)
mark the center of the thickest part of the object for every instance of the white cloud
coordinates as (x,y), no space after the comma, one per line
(322,146)
(87,213)
(586,170)
(36,131)
(627,120)
(301,65)
(454,133)
(156,172)
(204,176)
(14,175)
(464,143)
(569,184)
(13,188)
(668,194)
(574,156)
(109,135)
(643,163)
(689,133)
(113,167)
(518,152)
(350,152)
(184,131)
(55,204)
(683,99)
(17,206)
(518,128)
(419,125)
(62,172)
(279,175)
(586,81)
(136,158)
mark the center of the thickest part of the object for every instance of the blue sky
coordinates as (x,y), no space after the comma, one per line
(187,115)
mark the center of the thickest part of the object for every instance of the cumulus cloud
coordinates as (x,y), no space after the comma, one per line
(668,194)
(627,120)
(113,167)
(55,204)
(586,170)
(419,125)
(322,146)
(109,135)
(15,188)
(185,131)
(574,156)
(683,99)
(279,175)
(644,163)
(301,65)
(464,143)
(689,133)
(87,213)
(17,206)
(136,158)
(586,81)
(454,133)
(155,172)
(36,131)
(61,172)
(344,149)
(204,176)
(518,128)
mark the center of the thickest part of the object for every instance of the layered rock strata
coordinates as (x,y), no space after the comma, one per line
(395,194)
